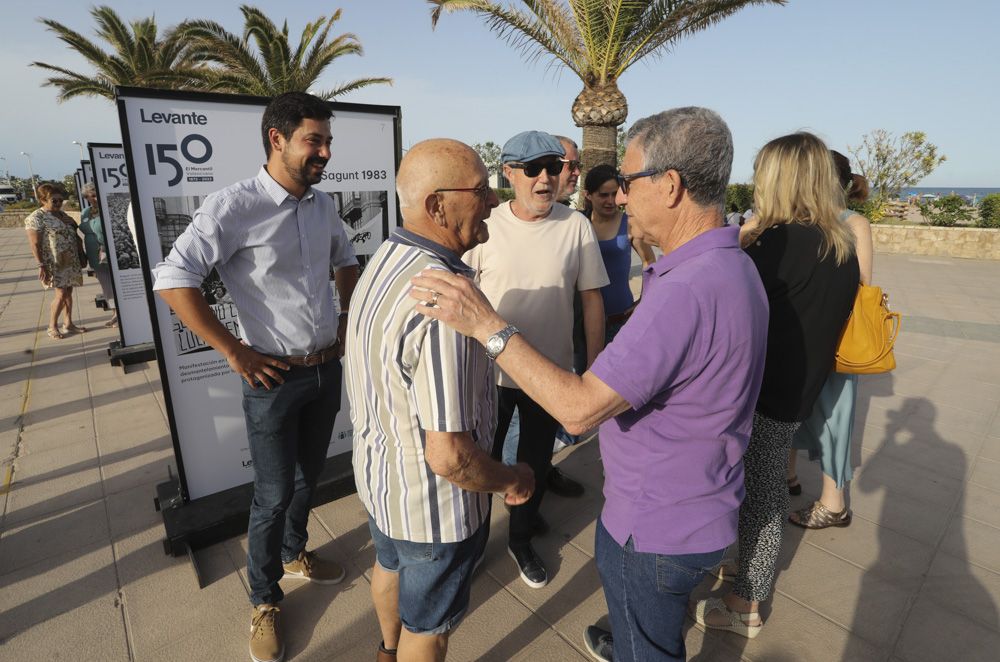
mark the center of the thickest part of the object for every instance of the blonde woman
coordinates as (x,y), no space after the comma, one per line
(57,248)
(806,260)
(826,434)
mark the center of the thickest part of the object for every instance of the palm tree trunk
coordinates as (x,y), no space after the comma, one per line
(599,109)
(599,147)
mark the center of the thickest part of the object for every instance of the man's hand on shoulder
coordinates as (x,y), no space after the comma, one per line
(255,367)
(523,487)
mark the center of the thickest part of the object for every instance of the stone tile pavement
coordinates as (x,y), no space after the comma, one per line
(83,575)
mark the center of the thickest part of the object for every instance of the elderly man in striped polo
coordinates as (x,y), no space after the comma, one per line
(423,405)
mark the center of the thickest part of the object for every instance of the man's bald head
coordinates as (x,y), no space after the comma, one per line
(444,193)
(433,164)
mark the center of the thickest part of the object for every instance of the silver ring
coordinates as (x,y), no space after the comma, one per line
(434,298)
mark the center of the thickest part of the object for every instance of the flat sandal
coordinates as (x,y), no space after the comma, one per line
(737,621)
(818,516)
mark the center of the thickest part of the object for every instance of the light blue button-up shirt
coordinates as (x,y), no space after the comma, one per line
(274,254)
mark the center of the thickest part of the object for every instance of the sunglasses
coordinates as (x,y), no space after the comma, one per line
(573,164)
(482,191)
(624,180)
(534,169)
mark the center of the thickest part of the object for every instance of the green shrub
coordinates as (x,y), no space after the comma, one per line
(873,209)
(947,211)
(21,204)
(739,197)
(505,194)
(989,211)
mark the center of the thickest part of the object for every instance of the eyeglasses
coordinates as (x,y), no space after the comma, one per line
(624,180)
(482,191)
(573,164)
(534,169)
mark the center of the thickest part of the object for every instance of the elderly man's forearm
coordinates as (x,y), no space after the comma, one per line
(455,458)
(578,402)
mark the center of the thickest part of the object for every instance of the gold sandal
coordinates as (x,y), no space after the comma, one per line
(737,622)
(55,333)
(818,516)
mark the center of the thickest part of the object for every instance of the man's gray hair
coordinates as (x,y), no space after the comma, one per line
(693,141)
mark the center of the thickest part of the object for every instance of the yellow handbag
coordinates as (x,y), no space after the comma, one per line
(866,345)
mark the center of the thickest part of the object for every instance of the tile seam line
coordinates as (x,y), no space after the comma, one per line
(119,589)
(16,451)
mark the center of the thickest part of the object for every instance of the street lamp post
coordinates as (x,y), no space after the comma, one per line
(6,167)
(80,145)
(31,172)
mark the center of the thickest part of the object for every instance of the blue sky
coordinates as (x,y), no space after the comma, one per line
(839,68)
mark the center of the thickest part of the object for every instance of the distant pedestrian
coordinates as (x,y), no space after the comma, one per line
(95,245)
(58,254)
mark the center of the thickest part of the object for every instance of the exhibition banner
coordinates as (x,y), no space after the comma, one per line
(181,147)
(78,182)
(112,184)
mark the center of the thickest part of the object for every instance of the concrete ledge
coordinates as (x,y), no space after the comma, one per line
(976,243)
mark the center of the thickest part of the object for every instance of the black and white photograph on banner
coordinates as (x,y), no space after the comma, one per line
(173,215)
(366,215)
(126,252)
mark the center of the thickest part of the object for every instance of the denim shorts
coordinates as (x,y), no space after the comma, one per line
(435,579)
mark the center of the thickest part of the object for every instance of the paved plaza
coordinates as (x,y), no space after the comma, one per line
(83,575)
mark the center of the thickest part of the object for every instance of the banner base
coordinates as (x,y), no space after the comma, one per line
(130,355)
(202,522)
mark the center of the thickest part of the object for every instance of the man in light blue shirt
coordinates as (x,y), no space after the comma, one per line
(274,240)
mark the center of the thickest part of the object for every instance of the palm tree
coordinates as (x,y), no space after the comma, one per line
(139,57)
(597,40)
(272,67)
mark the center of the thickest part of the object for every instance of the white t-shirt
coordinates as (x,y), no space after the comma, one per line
(529,270)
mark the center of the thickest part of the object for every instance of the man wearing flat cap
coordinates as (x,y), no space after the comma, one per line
(539,253)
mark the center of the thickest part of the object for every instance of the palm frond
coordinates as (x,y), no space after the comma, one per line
(524,32)
(666,21)
(353,85)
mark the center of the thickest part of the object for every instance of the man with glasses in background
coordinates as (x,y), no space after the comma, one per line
(540,252)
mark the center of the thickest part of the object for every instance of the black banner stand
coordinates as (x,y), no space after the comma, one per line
(202,522)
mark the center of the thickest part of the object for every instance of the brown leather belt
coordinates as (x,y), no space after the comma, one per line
(620,318)
(314,359)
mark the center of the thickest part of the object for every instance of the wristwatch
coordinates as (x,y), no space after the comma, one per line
(498,341)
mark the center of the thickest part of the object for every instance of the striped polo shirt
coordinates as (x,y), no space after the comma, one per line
(406,374)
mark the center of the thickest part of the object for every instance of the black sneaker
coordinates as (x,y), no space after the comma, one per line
(599,643)
(532,570)
(561,484)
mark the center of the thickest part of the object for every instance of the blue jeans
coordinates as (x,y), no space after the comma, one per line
(647,596)
(289,429)
(435,578)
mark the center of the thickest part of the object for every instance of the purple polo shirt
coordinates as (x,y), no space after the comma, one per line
(690,362)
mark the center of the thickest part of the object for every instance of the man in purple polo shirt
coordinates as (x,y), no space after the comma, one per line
(674,392)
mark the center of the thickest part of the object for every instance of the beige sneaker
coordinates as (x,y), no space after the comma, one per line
(265,637)
(311,567)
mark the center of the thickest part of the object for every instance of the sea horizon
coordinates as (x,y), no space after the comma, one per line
(970,192)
